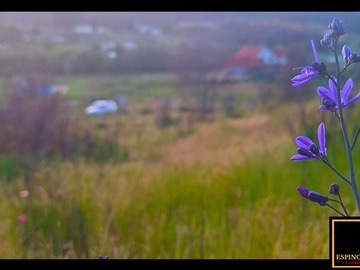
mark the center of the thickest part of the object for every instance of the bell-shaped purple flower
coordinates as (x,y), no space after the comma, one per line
(309,72)
(307,149)
(312,195)
(330,95)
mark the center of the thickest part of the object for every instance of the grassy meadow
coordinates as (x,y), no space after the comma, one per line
(219,188)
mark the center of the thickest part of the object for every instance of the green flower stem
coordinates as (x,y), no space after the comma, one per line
(327,162)
(355,138)
(343,206)
(345,135)
(333,208)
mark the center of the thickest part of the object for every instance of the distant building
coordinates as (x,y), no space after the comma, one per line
(57,39)
(83,29)
(252,59)
(100,29)
(111,54)
(148,29)
(197,25)
(129,45)
(108,45)
(256,56)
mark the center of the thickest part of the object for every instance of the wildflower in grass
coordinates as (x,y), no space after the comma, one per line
(24,193)
(307,149)
(22,218)
(329,96)
(323,200)
(309,72)
(312,195)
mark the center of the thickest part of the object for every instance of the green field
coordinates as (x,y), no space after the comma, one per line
(221,189)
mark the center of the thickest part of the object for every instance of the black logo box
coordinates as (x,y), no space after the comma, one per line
(344,242)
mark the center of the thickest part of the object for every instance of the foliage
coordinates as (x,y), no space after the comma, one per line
(40,127)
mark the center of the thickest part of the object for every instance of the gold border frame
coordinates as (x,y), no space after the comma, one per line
(333,242)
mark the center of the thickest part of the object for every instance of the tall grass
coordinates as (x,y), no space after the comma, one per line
(163,209)
(225,190)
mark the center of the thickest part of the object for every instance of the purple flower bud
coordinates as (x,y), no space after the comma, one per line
(329,104)
(356,59)
(334,189)
(312,195)
(326,41)
(319,66)
(337,27)
(353,56)
(346,53)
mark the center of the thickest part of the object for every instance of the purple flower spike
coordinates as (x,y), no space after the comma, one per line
(307,149)
(312,195)
(330,95)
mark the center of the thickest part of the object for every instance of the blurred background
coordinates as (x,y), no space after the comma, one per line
(165,134)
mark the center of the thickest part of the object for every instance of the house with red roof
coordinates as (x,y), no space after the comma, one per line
(251,59)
